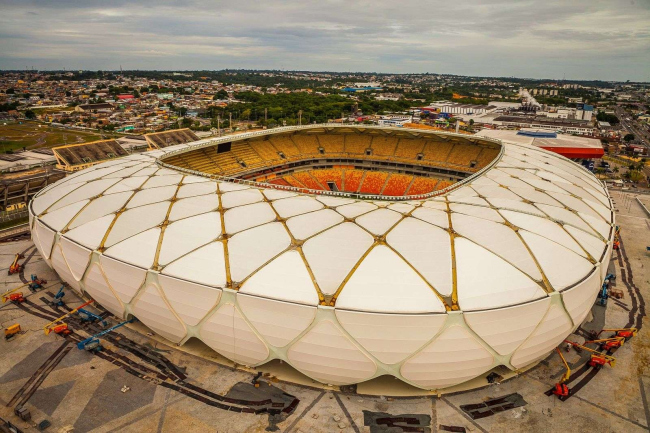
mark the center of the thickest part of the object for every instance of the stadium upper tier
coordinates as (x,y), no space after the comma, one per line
(495,270)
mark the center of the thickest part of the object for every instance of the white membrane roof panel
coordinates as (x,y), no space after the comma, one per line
(278,322)
(579,299)
(59,218)
(477,211)
(333,253)
(99,207)
(432,216)
(194,189)
(186,235)
(91,233)
(353,210)
(453,357)
(124,279)
(191,206)
(383,282)
(561,266)
(305,226)
(60,266)
(127,184)
(84,192)
(551,331)
(135,221)
(285,278)
(499,239)
(96,286)
(153,195)
(158,181)
(593,245)
(76,256)
(427,249)
(154,312)
(227,332)
(379,221)
(543,227)
(189,300)
(506,328)
(139,250)
(327,355)
(240,198)
(506,286)
(289,207)
(244,217)
(250,249)
(391,337)
(206,265)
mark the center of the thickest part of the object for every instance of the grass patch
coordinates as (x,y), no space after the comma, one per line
(33,135)
(13,223)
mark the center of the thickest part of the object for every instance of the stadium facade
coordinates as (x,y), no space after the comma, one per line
(435,289)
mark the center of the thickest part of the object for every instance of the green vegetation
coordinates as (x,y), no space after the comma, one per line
(604,117)
(628,138)
(16,135)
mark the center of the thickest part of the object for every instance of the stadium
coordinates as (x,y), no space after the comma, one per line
(347,252)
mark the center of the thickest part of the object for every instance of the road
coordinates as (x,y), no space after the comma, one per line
(642,135)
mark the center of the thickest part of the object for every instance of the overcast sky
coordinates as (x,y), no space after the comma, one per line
(591,39)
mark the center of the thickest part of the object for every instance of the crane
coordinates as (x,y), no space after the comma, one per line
(58,298)
(625,333)
(604,291)
(598,359)
(15,266)
(50,326)
(92,344)
(87,316)
(608,343)
(561,389)
(36,283)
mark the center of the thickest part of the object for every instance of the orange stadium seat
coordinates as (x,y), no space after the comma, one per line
(285,145)
(279,181)
(329,175)
(306,179)
(463,153)
(331,143)
(384,146)
(437,150)
(293,181)
(397,184)
(409,148)
(306,144)
(443,184)
(422,185)
(374,182)
(352,180)
(357,144)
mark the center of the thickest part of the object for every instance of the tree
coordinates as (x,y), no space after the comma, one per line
(628,137)
(221,94)
(29,114)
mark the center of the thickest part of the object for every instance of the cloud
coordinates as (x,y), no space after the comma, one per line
(579,39)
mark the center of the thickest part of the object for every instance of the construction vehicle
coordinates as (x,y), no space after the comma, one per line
(608,344)
(87,316)
(598,359)
(92,344)
(625,333)
(14,297)
(36,283)
(561,389)
(15,266)
(5,295)
(604,291)
(50,326)
(12,331)
(617,237)
(58,298)
(61,329)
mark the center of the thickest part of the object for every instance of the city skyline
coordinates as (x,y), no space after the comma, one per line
(553,40)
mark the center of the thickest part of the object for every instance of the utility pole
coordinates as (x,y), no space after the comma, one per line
(265,116)
(300,117)
(219,124)
(230,121)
